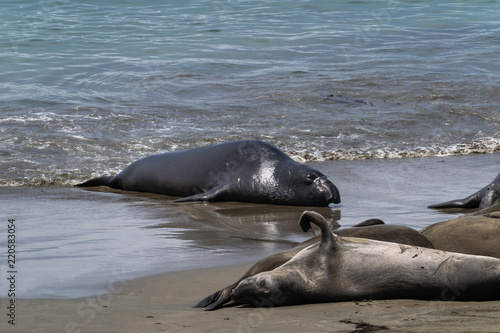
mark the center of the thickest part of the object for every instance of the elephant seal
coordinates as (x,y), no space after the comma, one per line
(470,234)
(346,269)
(485,197)
(245,171)
(370,229)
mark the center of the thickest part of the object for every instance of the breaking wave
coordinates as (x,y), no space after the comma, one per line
(480,146)
(68,174)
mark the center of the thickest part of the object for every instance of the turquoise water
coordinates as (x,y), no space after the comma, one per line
(95,85)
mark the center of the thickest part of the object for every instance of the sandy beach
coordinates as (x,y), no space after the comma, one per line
(164,304)
(213,245)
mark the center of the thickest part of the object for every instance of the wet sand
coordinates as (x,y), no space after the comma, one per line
(168,242)
(164,304)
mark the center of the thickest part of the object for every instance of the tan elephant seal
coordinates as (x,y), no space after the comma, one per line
(371,229)
(345,269)
(471,234)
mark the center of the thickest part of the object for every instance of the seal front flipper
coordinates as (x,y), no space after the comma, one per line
(214,194)
(223,298)
(209,300)
(217,299)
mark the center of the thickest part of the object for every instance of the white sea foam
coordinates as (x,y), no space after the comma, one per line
(480,146)
(48,173)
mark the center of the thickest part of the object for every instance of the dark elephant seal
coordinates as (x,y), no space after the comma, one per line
(471,234)
(346,269)
(245,171)
(370,229)
(485,197)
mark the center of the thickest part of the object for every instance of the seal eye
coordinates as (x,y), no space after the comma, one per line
(262,284)
(311,178)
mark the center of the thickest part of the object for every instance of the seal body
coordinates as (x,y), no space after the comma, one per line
(485,197)
(371,229)
(346,269)
(470,234)
(246,171)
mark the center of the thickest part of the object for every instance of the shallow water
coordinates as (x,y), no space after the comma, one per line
(72,242)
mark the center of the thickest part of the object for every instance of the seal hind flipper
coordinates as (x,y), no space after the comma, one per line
(328,239)
(472,201)
(487,196)
(101,181)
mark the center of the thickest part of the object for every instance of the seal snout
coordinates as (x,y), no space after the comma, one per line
(243,292)
(331,192)
(259,290)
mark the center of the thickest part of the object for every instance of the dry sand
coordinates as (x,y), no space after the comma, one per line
(164,303)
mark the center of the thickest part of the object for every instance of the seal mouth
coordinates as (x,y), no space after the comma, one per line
(329,191)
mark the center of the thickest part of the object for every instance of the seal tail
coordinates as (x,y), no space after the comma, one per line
(101,181)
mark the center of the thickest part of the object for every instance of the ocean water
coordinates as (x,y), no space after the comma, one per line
(87,87)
